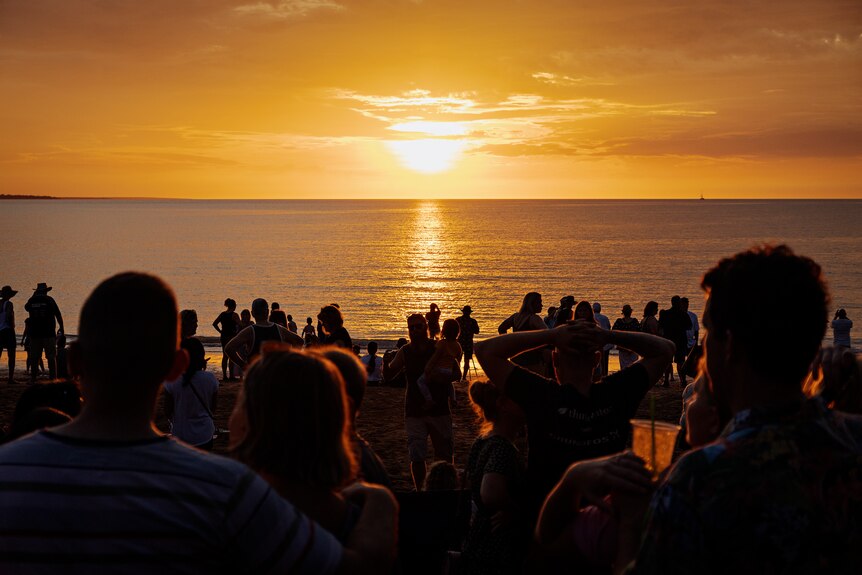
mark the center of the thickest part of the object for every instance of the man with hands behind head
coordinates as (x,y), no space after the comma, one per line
(570,417)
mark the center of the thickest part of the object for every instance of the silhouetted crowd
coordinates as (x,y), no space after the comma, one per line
(766,476)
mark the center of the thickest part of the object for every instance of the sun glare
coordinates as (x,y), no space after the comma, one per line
(429,156)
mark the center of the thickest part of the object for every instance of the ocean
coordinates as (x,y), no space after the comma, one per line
(382,260)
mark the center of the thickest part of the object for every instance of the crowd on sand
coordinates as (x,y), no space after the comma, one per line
(767,476)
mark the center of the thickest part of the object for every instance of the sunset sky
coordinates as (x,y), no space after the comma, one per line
(431,98)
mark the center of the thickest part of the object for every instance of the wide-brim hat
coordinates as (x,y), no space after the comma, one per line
(43,287)
(6,292)
(467,309)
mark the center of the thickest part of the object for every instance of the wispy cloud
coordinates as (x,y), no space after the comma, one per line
(286,9)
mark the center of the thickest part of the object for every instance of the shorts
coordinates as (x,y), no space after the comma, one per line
(7,340)
(439,427)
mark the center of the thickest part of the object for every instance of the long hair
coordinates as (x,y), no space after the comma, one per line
(484,398)
(298,420)
(531,303)
(197,362)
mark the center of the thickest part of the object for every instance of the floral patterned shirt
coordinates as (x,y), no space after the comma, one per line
(780,491)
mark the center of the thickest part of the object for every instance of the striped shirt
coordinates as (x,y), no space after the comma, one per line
(83,506)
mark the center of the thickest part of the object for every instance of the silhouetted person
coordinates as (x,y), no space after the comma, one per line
(525,319)
(604,323)
(469,327)
(373,364)
(276,315)
(780,491)
(245,347)
(570,418)
(227,325)
(627,323)
(291,325)
(8,339)
(332,325)
(44,318)
(190,400)
(674,323)
(188,323)
(433,319)
(841,326)
(371,468)
(421,421)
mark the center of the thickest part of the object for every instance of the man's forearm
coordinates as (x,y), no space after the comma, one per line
(644,344)
(509,345)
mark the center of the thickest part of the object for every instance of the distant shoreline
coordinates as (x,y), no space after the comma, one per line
(336,200)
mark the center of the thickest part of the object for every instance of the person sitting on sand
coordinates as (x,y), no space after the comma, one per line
(332,324)
(527,319)
(290,425)
(421,422)
(123,495)
(371,468)
(495,475)
(841,326)
(227,325)
(190,400)
(570,418)
(373,364)
(780,491)
(243,348)
(443,367)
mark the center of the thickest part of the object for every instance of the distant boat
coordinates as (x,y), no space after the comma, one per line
(701,196)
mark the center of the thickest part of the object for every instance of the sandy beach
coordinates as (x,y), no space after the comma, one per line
(381,420)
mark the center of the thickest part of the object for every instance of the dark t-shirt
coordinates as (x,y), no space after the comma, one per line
(229,325)
(339,337)
(43,311)
(416,357)
(262,334)
(565,426)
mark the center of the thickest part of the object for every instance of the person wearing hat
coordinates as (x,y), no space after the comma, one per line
(44,317)
(469,328)
(7,328)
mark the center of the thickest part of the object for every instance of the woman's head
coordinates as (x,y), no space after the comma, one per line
(245,315)
(584,311)
(841,314)
(331,317)
(434,307)
(230,304)
(197,359)
(292,420)
(627,310)
(451,329)
(491,405)
(650,309)
(532,303)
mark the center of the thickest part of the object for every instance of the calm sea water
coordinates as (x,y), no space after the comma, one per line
(381,260)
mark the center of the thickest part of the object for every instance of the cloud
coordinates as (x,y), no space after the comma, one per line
(285,9)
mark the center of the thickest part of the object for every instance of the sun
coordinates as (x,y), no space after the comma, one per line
(428,156)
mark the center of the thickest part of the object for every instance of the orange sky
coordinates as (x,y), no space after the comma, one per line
(433,98)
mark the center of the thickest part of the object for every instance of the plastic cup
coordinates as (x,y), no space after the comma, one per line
(657,454)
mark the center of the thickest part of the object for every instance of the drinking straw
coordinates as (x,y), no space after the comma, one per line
(652,430)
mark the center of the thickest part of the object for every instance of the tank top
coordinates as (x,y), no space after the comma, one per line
(228,324)
(262,334)
(4,323)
